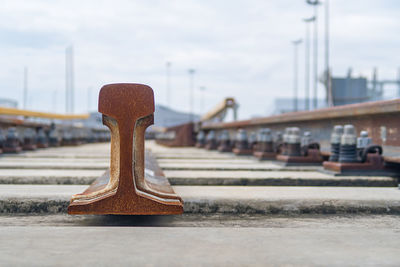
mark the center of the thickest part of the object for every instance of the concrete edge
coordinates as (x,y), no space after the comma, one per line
(226,206)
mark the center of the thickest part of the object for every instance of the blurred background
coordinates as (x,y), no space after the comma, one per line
(265,54)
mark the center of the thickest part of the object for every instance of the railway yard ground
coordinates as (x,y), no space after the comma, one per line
(237,211)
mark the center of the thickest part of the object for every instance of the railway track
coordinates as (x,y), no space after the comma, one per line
(225,205)
(237,210)
(225,184)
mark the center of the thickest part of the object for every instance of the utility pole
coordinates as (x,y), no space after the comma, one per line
(89,97)
(315,3)
(191,78)
(295,73)
(398,82)
(55,101)
(307,62)
(25,87)
(69,79)
(328,85)
(168,83)
(72,79)
(202,89)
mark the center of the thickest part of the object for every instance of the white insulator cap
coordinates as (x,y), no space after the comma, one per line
(29,133)
(294,136)
(210,135)
(288,131)
(306,140)
(224,135)
(200,136)
(241,135)
(349,135)
(278,137)
(363,141)
(252,137)
(264,135)
(336,134)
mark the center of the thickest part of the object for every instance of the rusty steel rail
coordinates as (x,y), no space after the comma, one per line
(380,119)
(175,136)
(45,132)
(126,188)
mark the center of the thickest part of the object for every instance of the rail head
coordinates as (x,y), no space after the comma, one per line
(353,110)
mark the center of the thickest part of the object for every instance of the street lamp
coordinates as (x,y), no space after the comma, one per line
(202,89)
(191,80)
(315,3)
(168,83)
(295,73)
(328,84)
(25,96)
(307,62)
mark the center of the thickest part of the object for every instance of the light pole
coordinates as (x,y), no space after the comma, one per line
(89,97)
(55,101)
(168,83)
(307,62)
(295,73)
(191,80)
(315,3)
(69,79)
(202,89)
(328,85)
(25,87)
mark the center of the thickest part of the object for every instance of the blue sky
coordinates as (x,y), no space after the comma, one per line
(238,48)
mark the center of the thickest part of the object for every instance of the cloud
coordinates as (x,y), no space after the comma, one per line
(238,48)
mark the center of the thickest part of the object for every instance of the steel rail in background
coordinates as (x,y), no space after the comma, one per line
(59,129)
(380,119)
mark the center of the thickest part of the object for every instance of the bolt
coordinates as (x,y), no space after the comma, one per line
(293,142)
(348,147)
(241,141)
(363,141)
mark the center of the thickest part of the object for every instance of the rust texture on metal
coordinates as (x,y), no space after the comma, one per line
(212,145)
(211,141)
(225,146)
(200,145)
(374,162)
(353,110)
(241,150)
(12,143)
(313,156)
(127,188)
(183,135)
(264,155)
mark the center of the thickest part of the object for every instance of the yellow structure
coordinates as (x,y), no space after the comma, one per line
(219,111)
(37,114)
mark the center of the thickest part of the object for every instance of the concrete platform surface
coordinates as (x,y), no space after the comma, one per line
(182,156)
(98,150)
(234,160)
(23,160)
(256,178)
(188,246)
(262,166)
(83,155)
(54,165)
(46,176)
(223,199)
(273,178)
